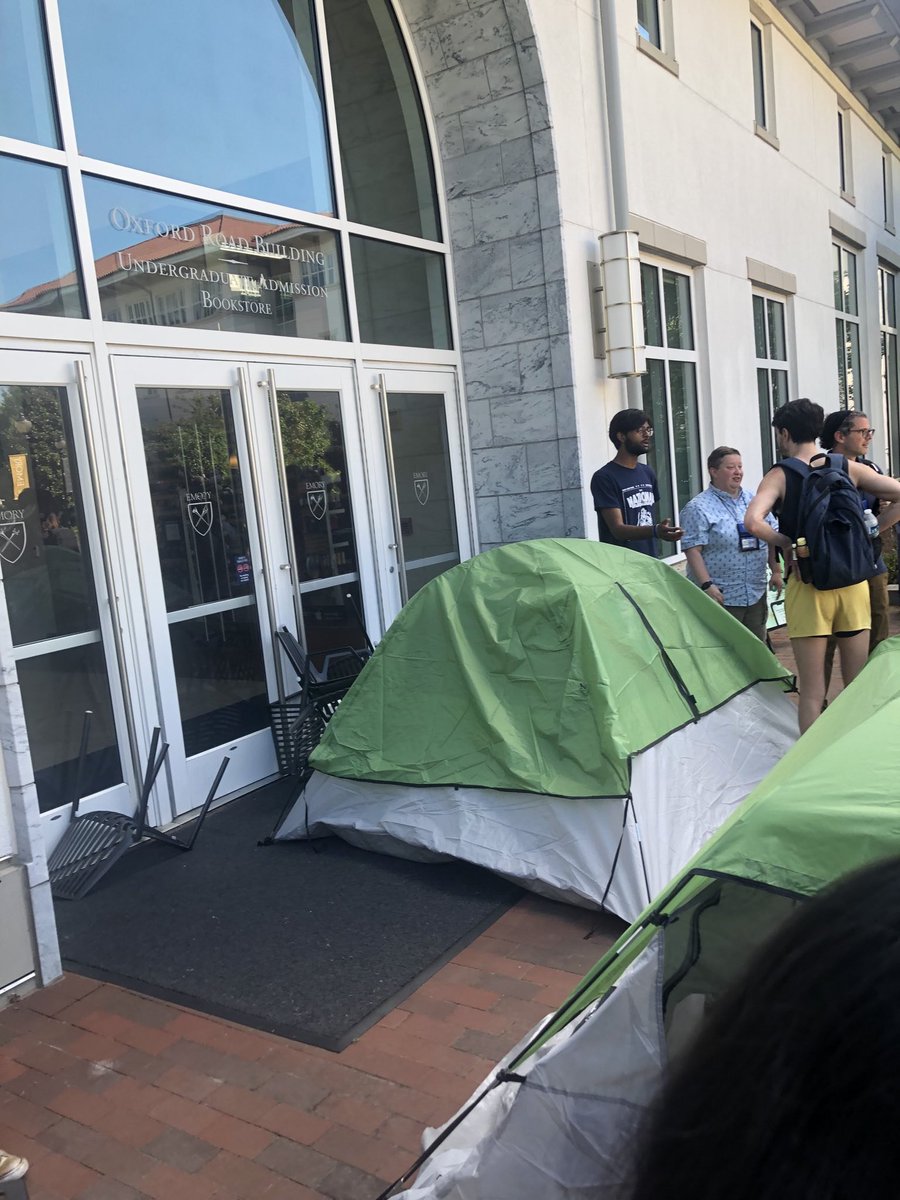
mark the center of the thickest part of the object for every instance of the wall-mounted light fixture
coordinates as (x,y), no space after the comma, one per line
(620,269)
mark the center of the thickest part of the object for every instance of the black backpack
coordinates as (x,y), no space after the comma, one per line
(830,517)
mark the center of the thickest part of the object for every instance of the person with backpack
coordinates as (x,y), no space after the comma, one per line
(816,497)
(848,432)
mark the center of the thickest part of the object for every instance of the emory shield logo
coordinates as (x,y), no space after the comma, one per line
(317,502)
(12,540)
(200,515)
(421,486)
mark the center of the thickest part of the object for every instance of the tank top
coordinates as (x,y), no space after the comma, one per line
(787,510)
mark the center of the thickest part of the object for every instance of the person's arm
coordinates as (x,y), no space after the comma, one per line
(776,579)
(638,533)
(770,491)
(874,484)
(694,556)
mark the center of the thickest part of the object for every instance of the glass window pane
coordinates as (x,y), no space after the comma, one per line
(841,362)
(779,389)
(759,327)
(220,678)
(164,260)
(653,396)
(685,431)
(422,469)
(201,530)
(759,78)
(385,155)
(312,442)
(27,109)
(653,335)
(848,282)
(57,688)
(890,299)
(43,546)
(837,277)
(775,313)
(224,93)
(766,440)
(330,620)
(677,297)
(854,382)
(401,295)
(648,21)
(38,268)
(889,388)
(842,164)
(196,494)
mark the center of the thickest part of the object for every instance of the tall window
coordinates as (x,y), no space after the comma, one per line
(887,316)
(771,367)
(887,190)
(670,384)
(648,22)
(846,324)
(845,161)
(759,75)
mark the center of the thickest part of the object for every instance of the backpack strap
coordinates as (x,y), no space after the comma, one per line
(795,465)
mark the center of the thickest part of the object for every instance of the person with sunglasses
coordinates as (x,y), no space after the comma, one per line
(848,432)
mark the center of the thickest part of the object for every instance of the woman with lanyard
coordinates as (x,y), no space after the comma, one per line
(724,560)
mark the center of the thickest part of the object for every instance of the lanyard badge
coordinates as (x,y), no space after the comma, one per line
(746,540)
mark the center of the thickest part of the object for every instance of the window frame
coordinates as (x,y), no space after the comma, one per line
(662,51)
(850,385)
(845,153)
(670,502)
(762,79)
(887,190)
(889,342)
(768,364)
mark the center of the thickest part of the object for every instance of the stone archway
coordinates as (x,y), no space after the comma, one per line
(486,92)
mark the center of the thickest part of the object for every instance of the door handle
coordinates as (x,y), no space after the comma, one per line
(285,567)
(392,545)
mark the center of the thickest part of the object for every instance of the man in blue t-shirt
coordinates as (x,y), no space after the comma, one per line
(625,491)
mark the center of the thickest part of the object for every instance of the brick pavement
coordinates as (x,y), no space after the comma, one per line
(115,1096)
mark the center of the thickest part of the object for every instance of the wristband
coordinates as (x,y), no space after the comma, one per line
(704,587)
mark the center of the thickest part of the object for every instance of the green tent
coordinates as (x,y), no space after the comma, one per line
(578,1086)
(538,707)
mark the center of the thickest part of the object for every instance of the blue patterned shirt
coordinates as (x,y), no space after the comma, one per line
(710,521)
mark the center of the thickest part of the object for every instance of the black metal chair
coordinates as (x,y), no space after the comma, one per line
(333,679)
(297,731)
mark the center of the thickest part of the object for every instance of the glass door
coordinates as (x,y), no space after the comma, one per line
(54,566)
(200,563)
(325,581)
(426,525)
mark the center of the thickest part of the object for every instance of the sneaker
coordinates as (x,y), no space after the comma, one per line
(12,1167)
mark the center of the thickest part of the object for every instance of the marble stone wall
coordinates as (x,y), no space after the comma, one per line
(486,92)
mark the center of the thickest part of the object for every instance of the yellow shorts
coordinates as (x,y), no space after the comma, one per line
(811,613)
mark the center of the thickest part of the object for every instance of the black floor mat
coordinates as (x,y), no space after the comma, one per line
(313,941)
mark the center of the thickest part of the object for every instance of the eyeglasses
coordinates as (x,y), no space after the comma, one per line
(868,434)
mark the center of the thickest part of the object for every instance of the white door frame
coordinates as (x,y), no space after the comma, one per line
(435,381)
(73,370)
(252,756)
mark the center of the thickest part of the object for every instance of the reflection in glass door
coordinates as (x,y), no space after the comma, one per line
(200,568)
(321,535)
(420,462)
(48,560)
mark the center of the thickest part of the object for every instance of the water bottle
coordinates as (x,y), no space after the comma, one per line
(871,523)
